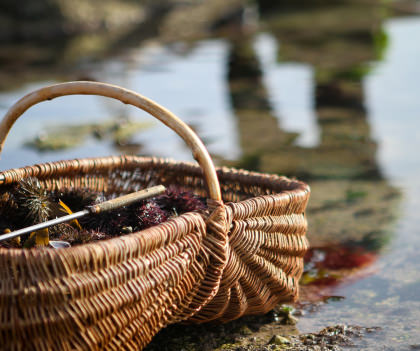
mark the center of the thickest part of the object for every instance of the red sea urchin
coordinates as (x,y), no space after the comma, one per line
(181,200)
(150,214)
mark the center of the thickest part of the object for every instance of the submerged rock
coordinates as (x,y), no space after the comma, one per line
(69,136)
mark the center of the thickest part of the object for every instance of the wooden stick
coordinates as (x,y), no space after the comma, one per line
(128,199)
(109,205)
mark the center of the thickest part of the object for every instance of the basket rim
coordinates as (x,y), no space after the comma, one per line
(81,166)
(86,164)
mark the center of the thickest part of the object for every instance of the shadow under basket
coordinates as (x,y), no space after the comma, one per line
(242,256)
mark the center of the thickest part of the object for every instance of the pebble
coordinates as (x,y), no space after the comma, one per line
(278,340)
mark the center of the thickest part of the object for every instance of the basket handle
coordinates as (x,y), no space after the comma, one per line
(126,96)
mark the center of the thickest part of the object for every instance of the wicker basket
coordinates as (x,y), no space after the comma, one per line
(241,257)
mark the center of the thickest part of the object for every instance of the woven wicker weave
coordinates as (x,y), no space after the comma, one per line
(242,256)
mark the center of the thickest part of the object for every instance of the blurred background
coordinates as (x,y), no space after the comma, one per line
(325,91)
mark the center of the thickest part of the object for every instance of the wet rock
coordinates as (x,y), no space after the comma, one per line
(120,131)
(285,315)
(279,340)
(330,338)
(244,330)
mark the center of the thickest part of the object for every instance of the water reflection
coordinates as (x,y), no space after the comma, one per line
(43,40)
(335,49)
(352,204)
(257,125)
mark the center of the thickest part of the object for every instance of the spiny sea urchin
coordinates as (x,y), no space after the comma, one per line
(33,201)
(181,200)
(78,198)
(149,214)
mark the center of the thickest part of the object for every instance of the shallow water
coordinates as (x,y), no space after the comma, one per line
(347,123)
(390,295)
